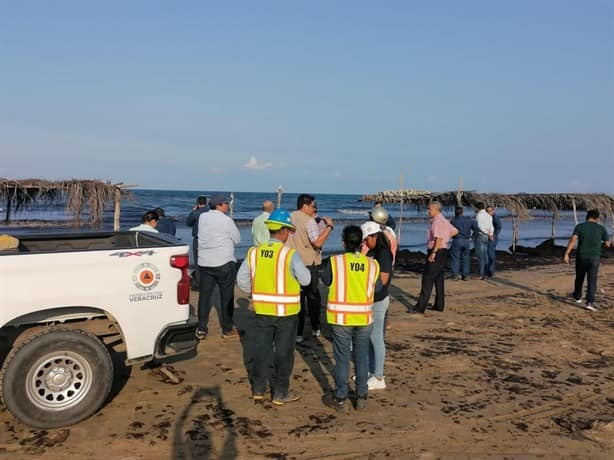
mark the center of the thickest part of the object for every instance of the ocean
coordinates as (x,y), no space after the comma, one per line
(343,209)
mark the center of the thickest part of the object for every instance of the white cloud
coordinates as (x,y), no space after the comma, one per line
(253,164)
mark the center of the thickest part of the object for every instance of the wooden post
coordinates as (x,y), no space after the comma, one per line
(553,236)
(400,212)
(8,207)
(514,231)
(280,191)
(575,214)
(117,209)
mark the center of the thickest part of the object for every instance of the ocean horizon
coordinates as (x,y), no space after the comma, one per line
(344,209)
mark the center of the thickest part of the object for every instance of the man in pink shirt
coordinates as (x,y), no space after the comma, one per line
(438,235)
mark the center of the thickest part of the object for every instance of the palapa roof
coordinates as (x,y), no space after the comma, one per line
(79,195)
(517,203)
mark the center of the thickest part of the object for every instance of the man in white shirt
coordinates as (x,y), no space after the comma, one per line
(217,237)
(149,223)
(485,234)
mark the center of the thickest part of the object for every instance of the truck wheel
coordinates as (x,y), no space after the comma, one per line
(56,378)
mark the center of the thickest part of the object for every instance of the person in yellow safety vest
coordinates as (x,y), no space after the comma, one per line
(352,279)
(274,273)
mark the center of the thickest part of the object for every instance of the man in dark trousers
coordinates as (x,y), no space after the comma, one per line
(461,244)
(439,233)
(308,241)
(273,274)
(192,221)
(589,236)
(492,244)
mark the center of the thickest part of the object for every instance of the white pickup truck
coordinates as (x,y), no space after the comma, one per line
(63,295)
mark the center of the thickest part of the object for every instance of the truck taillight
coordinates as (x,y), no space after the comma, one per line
(182,262)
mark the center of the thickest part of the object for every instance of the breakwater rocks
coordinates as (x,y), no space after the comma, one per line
(395,196)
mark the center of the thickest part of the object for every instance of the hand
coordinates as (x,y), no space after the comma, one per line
(328,221)
(431,257)
(491,237)
(566,258)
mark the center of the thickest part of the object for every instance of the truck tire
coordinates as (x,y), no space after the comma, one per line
(56,378)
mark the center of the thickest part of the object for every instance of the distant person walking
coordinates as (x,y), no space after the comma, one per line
(351,278)
(460,250)
(379,249)
(438,235)
(484,235)
(492,244)
(273,274)
(192,221)
(589,237)
(149,222)
(217,237)
(260,231)
(165,224)
(308,241)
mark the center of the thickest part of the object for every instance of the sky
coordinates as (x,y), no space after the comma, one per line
(315,96)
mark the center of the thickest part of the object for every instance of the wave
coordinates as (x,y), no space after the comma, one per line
(360,212)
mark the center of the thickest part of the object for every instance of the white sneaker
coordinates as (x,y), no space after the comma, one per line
(376,384)
(316,333)
(591,307)
(369,376)
(299,339)
(578,300)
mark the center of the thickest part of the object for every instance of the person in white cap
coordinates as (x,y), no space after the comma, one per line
(379,248)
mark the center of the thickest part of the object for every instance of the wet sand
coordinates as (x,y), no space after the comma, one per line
(511,369)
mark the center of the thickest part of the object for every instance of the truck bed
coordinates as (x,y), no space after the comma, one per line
(90,241)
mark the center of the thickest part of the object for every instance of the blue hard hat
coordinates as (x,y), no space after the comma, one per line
(278,220)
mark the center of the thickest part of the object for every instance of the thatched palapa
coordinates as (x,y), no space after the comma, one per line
(517,203)
(78,195)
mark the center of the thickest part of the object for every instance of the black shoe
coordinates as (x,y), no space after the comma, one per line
(340,405)
(201,334)
(291,396)
(413,311)
(361,403)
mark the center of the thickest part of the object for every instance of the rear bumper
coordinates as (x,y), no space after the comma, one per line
(177,339)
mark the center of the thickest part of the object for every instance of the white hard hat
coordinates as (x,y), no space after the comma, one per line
(379,215)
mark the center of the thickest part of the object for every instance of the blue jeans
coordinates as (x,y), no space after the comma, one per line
(492,256)
(481,251)
(459,256)
(377,347)
(348,340)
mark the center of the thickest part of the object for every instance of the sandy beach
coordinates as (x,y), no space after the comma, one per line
(511,369)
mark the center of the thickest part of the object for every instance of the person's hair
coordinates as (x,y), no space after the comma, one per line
(149,216)
(592,214)
(382,242)
(458,211)
(304,199)
(490,206)
(352,238)
(435,203)
(378,203)
(201,200)
(160,212)
(479,206)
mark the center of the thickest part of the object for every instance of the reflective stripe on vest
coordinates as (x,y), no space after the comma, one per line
(350,296)
(275,292)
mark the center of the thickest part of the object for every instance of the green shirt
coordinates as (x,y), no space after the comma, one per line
(260,231)
(590,237)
